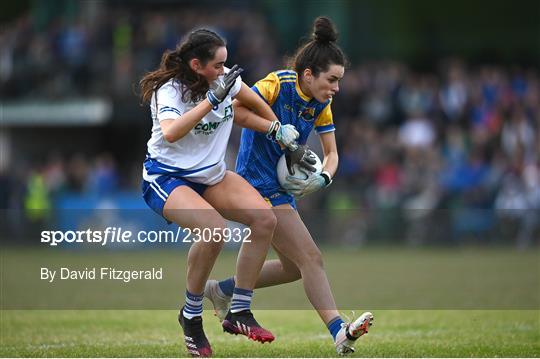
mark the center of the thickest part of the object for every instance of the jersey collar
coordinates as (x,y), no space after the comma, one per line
(299,91)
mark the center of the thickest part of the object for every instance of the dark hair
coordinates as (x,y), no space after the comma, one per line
(200,44)
(320,51)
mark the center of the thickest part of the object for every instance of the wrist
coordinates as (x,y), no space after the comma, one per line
(271,134)
(327,178)
(214,101)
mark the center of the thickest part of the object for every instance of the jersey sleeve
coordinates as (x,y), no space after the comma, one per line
(268,88)
(325,122)
(169,104)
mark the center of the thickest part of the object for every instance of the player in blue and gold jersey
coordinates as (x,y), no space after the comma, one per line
(258,157)
(300,97)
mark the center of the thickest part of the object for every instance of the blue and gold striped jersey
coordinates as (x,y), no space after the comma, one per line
(258,157)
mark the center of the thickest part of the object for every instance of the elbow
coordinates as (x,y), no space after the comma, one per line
(169,137)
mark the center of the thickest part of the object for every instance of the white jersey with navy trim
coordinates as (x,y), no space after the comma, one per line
(199,155)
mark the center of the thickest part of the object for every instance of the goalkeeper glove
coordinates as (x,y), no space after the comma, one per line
(300,188)
(300,156)
(216,95)
(284,134)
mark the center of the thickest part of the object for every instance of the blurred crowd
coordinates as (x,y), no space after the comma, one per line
(462,137)
(104,51)
(458,136)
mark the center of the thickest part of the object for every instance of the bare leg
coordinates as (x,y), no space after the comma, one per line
(299,257)
(278,271)
(242,203)
(189,210)
(293,241)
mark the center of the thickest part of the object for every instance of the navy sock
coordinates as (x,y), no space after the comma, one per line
(227,286)
(334,326)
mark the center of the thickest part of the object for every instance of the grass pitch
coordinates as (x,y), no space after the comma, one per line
(155,333)
(457,286)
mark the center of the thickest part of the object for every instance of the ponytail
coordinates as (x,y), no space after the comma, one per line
(320,51)
(200,44)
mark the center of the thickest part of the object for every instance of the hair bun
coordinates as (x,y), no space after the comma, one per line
(324,31)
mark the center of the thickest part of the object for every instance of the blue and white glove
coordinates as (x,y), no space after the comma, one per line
(287,136)
(284,134)
(300,188)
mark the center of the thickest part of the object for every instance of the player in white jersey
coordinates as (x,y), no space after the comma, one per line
(185,179)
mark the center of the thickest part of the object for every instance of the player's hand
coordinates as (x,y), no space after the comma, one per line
(300,156)
(287,136)
(300,188)
(217,95)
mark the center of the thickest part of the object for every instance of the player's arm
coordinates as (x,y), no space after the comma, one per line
(175,129)
(251,111)
(331,158)
(325,127)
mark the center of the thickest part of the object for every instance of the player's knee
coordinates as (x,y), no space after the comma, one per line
(312,259)
(264,222)
(215,246)
(213,232)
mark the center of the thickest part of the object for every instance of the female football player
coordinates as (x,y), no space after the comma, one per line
(302,98)
(185,180)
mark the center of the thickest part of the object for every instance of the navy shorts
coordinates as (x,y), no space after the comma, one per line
(276,198)
(155,193)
